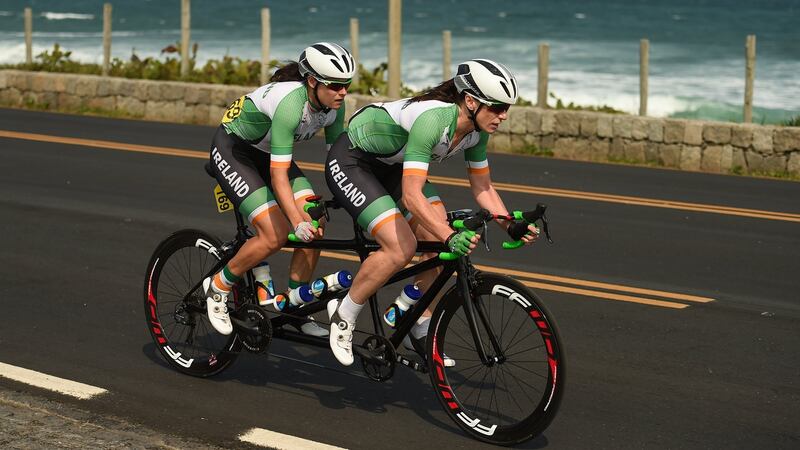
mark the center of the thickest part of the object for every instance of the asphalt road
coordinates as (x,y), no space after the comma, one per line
(79,223)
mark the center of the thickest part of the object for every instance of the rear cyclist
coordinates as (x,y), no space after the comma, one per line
(251,157)
(381,165)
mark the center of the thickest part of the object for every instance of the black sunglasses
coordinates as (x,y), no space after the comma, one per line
(336,87)
(498,108)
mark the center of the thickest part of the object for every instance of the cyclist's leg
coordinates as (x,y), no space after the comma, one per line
(358,182)
(397,248)
(425,279)
(369,190)
(235,166)
(415,340)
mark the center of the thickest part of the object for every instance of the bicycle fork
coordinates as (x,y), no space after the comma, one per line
(473,310)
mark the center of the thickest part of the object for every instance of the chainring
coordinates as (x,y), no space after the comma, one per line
(256,343)
(381,348)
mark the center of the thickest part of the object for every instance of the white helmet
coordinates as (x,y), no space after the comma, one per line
(487,81)
(327,61)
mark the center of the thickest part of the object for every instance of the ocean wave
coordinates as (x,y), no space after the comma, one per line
(77,34)
(6,13)
(66,16)
(676,89)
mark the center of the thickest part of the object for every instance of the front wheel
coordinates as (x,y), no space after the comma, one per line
(176,314)
(514,394)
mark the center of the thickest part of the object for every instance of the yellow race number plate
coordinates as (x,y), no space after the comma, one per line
(223,204)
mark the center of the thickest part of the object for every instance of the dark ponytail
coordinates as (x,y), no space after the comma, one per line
(444,92)
(289,72)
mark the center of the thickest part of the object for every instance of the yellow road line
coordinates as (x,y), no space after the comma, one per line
(604,295)
(567,289)
(595,284)
(508,187)
(609,198)
(105,144)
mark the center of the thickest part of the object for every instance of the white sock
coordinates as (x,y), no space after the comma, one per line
(420,328)
(348,309)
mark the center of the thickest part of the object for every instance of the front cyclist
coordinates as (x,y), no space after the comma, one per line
(251,157)
(381,165)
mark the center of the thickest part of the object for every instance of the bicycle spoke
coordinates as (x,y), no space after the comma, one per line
(515,336)
(525,383)
(527,370)
(186,263)
(521,388)
(171,283)
(523,351)
(508,391)
(503,318)
(494,392)
(469,367)
(449,344)
(176,265)
(486,372)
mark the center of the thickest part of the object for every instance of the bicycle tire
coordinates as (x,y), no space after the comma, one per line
(180,330)
(525,321)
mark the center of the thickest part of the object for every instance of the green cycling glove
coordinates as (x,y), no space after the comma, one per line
(460,241)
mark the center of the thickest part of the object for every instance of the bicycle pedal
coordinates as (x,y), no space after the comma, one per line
(415,365)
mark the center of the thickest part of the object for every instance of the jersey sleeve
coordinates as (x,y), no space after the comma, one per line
(425,133)
(287,118)
(477,163)
(333,130)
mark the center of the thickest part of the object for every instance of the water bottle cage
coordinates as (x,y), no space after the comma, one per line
(392,315)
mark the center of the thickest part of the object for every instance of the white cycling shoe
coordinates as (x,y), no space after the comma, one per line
(309,327)
(217,305)
(341,337)
(418,346)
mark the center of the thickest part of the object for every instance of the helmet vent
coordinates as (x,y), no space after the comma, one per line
(505,88)
(338,66)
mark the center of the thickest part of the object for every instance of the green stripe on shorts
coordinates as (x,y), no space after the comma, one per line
(301,184)
(253,201)
(375,209)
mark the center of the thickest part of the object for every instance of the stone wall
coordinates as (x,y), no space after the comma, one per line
(708,146)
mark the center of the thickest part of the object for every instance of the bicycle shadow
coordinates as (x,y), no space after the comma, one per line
(314,373)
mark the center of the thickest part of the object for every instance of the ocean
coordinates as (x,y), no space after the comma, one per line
(697,62)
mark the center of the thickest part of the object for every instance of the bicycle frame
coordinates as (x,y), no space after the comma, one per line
(363,247)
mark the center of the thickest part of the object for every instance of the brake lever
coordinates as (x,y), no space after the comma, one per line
(485,236)
(546,229)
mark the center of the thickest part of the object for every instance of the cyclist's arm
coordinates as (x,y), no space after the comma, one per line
(480,180)
(424,134)
(414,200)
(287,117)
(486,195)
(335,129)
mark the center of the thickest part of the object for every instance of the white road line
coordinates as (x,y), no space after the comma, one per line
(266,438)
(49,382)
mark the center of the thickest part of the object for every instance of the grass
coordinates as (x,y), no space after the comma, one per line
(631,162)
(784,175)
(534,150)
(792,122)
(82,110)
(228,70)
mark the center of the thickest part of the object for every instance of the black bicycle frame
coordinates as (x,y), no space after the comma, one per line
(363,247)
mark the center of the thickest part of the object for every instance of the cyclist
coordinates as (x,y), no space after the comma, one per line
(251,156)
(381,165)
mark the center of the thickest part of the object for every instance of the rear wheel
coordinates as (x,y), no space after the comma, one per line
(178,322)
(512,397)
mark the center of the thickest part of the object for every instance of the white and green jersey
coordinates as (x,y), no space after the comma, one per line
(275,116)
(415,134)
